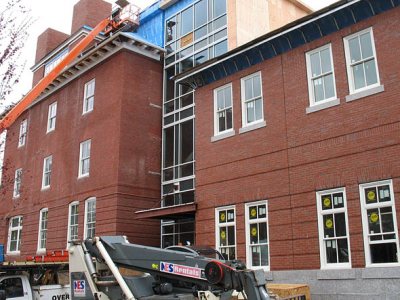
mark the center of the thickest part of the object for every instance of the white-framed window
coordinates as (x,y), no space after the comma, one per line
(73,215)
(14,235)
(333,229)
(88,98)
(362,67)
(378,211)
(55,61)
(51,118)
(84,158)
(90,218)
(257,237)
(46,178)
(252,99)
(223,114)
(321,75)
(23,129)
(17,183)
(42,236)
(225,235)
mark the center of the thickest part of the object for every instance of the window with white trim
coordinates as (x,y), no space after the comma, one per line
(223,109)
(362,67)
(51,118)
(17,183)
(321,76)
(90,218)
(333,229)
(257,238)
(23,129)
(84,158)
(42,237)
(88,98)
(252,99)
(55,61)
(73,214)
(46,178)
(378,210)
(226,231)
(14,235)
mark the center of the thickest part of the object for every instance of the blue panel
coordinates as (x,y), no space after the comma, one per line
(1,253)
(254,56)
(296,38)
(343,18)
(381,6)
(241,62)
(281,44)
(152,28)
(216,72)
(173,9)
(229,66)
(362,11)
(267,50)
(327,25)
(311,31)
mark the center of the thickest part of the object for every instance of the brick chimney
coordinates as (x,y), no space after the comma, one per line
(90,13)
(46,42)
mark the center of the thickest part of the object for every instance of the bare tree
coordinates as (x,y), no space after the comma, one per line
(14,23)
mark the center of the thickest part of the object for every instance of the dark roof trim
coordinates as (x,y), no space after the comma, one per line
(175,212)
(300,32)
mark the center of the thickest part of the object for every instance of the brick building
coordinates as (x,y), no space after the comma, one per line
(297,142)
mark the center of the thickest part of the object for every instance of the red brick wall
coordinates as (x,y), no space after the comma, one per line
(297,153)
(90,13)
(122,121)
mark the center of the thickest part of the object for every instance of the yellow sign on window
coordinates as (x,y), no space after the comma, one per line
(329,223)
(327,202)
(254,231)
(374,217)
(371,196)
(223,235)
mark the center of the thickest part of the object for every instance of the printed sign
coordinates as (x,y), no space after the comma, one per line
(79,288)
(181,270)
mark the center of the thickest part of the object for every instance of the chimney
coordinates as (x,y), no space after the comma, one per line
(90,13)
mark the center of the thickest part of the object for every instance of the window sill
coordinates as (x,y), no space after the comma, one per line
(49,131)
(83,176)
(321,106)
(45,188)
(41,251)
(365,93)
(16,197)
(251,127)
(86,112)
(14,253)
(223,135)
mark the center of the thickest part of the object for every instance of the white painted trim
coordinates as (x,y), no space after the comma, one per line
(69,221)
(247,232)
(80,174)
(365,93)
(322,106)
(242,99)
(42,250)
(350,77)
(85,97)
(50,157)
(23,125)
(216,129)
(311,95)
(364,217)
(320,213)
(224,135)
(19,228)
(217,226)
(16,195)
(89,200)
(49,129)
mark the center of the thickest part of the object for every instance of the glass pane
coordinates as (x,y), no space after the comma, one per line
(373,221)
(329,86)
(340,225)
(387,219)
(354,46)
(326,202)
(221,48)
(229,118)
(256,86)
(384,253)
(168,146)
(199,33)
(219,35)
(370,195)
(338,200)
(264,255)
(326,63)
(250,112)
(231,215)
(258,109)
(218,23)
(315,64)
(187,141)
(331,253)
(248,89)
(220,100)
(343,251)
(221,121)
(231,235)
(358,74)
(187,21)
(255,256)
(370,72)
(262,232)
(262,211)
(200,13)
(201,57)
(200,44)
(318,89)
(187,100)
(253,212)
(171,30)
(228,97)
(253,234)
(328,226)
(222,236)
(366,45)
(384,193)
(219,7)
(222,216)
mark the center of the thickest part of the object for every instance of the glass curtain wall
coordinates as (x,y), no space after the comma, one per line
(194,35)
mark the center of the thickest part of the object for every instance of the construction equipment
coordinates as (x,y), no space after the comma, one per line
(124,17)
(95,273)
